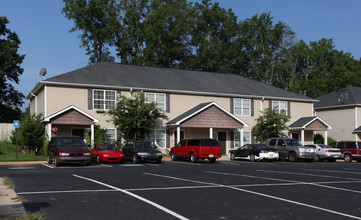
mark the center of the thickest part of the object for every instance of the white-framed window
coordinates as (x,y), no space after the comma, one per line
(242,107)
(158,98)
(103,99)
(279,106)
(159,138)
(110,135)
(237,138)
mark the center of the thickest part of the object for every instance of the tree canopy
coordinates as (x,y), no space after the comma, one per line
(10,70)
(206,37)
(134,118)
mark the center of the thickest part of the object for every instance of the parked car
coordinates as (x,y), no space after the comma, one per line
(196,149)
(68,149)
(142,151)
(106,153)
(291,149)
(254,152)
(350,150)
(325,152)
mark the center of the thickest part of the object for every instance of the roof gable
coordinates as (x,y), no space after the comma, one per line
(309,122)
(71,108)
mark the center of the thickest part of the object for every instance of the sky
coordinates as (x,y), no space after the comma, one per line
(47,42)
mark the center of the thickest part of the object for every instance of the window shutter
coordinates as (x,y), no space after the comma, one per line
(232,110)
(270,104)
(167,139)
(252,107)
(289,108)
(232,138)
(167,100)
(90,99)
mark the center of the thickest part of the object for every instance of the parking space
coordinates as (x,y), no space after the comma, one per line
(183,190)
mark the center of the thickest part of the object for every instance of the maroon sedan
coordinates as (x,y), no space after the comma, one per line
(106,153)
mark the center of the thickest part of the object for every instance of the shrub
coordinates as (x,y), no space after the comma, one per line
(318,139)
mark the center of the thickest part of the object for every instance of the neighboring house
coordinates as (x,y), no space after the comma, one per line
(342,110)
(198,104)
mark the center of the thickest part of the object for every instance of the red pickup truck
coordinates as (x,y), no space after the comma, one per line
(196,149)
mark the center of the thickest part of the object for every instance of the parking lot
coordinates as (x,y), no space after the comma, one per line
(183,190)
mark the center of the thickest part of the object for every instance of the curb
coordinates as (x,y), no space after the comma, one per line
(10,203)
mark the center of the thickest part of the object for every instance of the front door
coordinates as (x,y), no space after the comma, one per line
(78,132)
(222,139)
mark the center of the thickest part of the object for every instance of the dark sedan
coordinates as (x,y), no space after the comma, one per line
(142,151)
(254,152)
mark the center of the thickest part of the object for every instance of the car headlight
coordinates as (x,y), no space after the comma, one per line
(301,149)
(142,154)
(159,154)
(86,154)
(105,155)
(64,154)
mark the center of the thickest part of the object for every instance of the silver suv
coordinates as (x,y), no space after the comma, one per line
(291,149)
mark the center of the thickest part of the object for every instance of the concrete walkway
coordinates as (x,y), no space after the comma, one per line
(10,204)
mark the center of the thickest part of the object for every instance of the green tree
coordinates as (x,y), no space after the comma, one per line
(99,135)
(98,22)
(10,70)
(31,133)
(262,43)
(213,39)
(134,118)
(270,124)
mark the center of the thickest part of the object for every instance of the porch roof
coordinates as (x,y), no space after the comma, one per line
(201,108)
(309,123)
(68,109)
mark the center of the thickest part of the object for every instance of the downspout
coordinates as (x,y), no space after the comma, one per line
(262,106)
(355,122)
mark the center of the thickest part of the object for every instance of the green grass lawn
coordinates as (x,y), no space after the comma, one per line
(8,153)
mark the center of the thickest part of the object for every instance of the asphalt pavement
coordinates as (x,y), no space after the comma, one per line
(183,190)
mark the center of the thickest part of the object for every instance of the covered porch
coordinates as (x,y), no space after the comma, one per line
(70,121)
(304,129)
(206,120)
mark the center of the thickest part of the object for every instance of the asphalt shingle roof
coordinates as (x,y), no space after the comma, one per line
(348,96)
(302,122)
(167,79)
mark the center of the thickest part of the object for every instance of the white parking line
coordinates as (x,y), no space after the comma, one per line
(135,196)
(230,163)
(47,165)
(306,174)
(259,194)
(297,182)
(334,171)
(194,164)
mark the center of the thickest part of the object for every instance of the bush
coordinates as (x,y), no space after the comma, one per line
(318,139)
(6,147)
(30,134)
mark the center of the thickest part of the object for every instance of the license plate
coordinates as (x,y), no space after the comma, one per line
(211,155)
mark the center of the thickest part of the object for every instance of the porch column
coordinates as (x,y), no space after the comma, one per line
(303,137)
(325,136)
(211,133)
(92,134)
(241,137)
(49,131)
(178,134)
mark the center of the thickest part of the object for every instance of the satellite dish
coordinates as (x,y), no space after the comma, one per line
(43,72)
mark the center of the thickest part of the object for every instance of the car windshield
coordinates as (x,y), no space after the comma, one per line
(292,142)
(71,141)
(143,144)
(106,147)
(324,146)
(259,146)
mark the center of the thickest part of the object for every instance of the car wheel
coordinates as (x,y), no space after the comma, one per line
(193,158)
(292,157)
(232,157)
(331,160)
(49,160)
(348,158)
(212,160)
(135,159)
(173,156)
(252,157)
(99,161)
(56,162)
(317,158)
